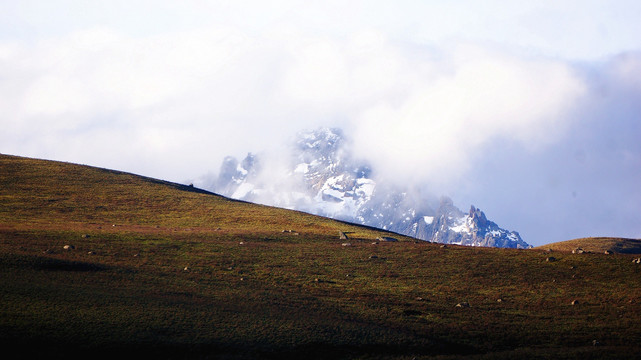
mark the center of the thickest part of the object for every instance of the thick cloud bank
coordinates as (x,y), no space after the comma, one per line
(546,145)
(200,96)
(459,103)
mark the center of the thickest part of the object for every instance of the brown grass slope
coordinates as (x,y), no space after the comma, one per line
(597,245)
(188,274)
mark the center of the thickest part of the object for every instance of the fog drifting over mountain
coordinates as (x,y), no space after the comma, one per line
(535,121)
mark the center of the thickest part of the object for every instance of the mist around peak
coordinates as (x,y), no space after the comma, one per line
(320,175)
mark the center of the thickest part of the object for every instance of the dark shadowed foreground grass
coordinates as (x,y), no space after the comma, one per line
(160,270)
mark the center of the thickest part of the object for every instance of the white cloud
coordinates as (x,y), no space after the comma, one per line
(222,91)
(168,89)
(477,95)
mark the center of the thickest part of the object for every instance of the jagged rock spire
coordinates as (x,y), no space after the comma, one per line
(325,179)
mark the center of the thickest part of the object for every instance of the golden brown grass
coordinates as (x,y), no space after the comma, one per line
(597,245)
(189,274)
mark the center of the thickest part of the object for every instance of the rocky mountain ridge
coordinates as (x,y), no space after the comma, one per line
(322,177)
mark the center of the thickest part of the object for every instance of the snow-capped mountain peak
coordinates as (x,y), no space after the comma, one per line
(324,179)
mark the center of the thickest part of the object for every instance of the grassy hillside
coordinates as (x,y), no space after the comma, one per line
(157,269)
(597,245)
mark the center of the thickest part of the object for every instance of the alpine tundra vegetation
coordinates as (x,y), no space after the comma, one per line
(97,263)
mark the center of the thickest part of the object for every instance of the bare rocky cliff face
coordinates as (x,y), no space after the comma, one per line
(321,177)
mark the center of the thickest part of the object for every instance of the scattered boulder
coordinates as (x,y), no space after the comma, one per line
(68,247)
(346,244)
(578,251)
(418,298)
(375,243)
(342,235)
(443,246)
(637,261)
(373,256)
(607,252)
(464,304)
(91,253)
(595,343)
(86,236)
(550,259)
(499,300)
(575,302)
(186,268)
(241,243)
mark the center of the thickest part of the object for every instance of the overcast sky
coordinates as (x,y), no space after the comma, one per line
(530,110)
